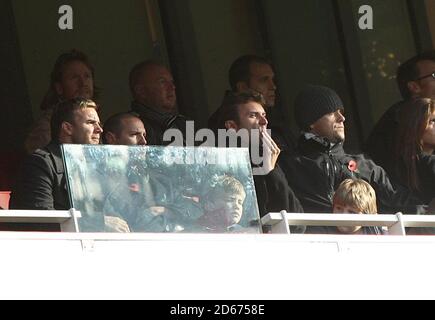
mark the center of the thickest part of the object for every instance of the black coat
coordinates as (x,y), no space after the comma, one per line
(156,123)
(318,168)
(42,182)
(41,185)
(275,195)
(426,176)
(380,145)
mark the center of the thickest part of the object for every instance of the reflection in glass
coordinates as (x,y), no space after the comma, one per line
(161,189)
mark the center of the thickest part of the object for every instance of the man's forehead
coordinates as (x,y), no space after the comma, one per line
(75,66)
(251,106)
(87,112)
(157,72)
(426,66)
(260,69)
(133,124)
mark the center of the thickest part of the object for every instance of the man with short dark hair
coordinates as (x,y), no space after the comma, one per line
(154,99)
(124,128)
(255,73)
(246,111)
(321,164)
(146,198)
(415,78)
(42,183)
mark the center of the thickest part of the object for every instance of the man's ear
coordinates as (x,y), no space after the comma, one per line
(414,87)
(231,124)
(67,128)
(110,137)
(242,86)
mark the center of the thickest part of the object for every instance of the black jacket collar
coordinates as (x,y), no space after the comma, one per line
(54,149)
(312,144)
(153,115)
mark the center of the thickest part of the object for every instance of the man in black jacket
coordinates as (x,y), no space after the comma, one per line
(321,164)
(245,111)
(415,78)
(155,100)
(42,182)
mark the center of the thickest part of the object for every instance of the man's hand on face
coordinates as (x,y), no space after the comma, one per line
(270,151)
(115,224)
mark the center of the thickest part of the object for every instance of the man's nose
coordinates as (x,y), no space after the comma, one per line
(339,116)
(98,128)
(263,121)
(272,85)
(142,141)
(171,85)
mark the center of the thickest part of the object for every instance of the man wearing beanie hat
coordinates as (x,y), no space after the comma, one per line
(320,109)
(320,163)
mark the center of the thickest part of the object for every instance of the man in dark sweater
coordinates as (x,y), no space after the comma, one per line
(321,164)
(245,112)
(415,78)
(155,100)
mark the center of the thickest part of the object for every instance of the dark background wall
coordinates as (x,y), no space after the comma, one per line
(312,41)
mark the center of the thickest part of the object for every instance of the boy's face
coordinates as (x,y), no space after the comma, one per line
(230,206)
(338,208)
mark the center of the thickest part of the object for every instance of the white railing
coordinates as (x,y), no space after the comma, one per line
(279,222)
(67,219)
(396,223)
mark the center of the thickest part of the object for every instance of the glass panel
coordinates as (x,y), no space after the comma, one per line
(161,189)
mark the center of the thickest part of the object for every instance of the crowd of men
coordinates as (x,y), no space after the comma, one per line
(298,174)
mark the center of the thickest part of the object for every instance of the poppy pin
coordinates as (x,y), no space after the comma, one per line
(352,165)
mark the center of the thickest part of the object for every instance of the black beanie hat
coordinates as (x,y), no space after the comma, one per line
(313,102)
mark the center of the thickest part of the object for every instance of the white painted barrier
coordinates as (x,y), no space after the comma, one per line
(67,219)
(396,223)
(71,265)
(204,266)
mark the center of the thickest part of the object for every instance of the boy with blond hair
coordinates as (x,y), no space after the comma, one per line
(356,196)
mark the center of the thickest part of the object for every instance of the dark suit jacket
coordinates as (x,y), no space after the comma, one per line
(42,182)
